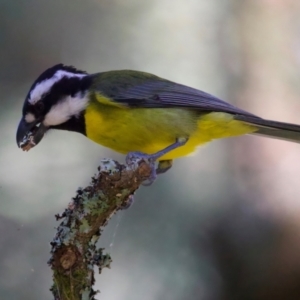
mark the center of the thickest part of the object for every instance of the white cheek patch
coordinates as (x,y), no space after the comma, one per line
(65,109)
(44,87)
(29,118)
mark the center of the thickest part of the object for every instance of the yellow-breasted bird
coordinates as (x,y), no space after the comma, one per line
(135,113)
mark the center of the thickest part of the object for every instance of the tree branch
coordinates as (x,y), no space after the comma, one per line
(74,252)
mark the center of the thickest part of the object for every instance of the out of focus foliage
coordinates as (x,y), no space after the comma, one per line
(223,224)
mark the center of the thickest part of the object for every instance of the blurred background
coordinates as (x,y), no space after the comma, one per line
(222,224)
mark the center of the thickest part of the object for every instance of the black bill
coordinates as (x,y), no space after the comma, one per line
(30,134)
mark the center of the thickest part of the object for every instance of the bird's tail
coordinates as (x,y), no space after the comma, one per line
(273,129)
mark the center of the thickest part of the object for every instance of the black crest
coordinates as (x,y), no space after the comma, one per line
(49,73)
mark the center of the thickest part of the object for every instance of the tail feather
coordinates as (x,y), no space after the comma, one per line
(273,129)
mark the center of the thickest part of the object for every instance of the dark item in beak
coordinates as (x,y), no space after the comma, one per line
(30,134)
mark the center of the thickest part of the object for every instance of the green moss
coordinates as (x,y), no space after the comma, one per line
(70,285)
(94,204)
(120,198)
(84,227)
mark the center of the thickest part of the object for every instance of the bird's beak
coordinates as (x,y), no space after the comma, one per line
(30,134)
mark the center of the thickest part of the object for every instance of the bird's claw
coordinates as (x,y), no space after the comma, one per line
(133,158)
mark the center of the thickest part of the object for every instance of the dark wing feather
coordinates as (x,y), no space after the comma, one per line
(143,90)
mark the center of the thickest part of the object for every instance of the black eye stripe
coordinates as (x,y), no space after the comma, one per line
(66,86)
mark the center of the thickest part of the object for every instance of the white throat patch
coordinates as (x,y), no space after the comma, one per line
(44,87)
(65,109)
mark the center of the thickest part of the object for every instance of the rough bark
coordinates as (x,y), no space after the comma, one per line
(74,253)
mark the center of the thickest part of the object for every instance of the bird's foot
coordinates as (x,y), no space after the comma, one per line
(133,158)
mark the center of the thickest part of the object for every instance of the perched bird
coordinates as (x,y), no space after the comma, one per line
(135,113)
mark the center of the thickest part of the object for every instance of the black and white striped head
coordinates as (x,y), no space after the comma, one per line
(55,100)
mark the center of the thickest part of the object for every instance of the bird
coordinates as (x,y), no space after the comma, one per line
(136,113)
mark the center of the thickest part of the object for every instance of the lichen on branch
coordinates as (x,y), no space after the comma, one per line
(74,253)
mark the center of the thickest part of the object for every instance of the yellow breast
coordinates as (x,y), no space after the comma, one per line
(149,130)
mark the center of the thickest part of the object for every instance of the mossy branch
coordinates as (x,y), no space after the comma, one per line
(74,252)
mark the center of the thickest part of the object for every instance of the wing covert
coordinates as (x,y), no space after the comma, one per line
(143,90)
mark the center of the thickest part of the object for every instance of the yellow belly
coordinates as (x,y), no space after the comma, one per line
(149,130)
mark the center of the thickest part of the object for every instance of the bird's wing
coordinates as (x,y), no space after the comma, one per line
(143,90)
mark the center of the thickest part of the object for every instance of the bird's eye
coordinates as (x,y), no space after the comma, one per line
(39,107)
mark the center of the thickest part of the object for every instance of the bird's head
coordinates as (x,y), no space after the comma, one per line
(56,99)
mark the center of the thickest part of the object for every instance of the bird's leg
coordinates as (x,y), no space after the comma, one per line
(151,158)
